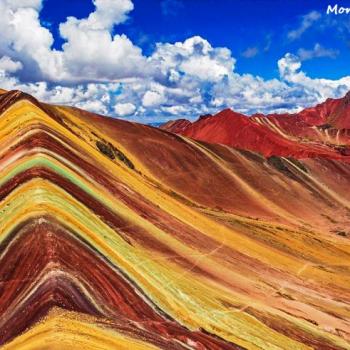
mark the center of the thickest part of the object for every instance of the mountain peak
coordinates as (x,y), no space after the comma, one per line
(111,232)
(303,134)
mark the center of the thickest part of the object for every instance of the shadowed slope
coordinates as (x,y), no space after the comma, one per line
(118,235)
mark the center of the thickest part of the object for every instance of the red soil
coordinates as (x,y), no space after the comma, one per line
(320,131)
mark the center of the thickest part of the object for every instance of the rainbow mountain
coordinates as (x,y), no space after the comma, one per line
(118,235)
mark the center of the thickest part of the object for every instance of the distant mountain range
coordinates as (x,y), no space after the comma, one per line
(321,131)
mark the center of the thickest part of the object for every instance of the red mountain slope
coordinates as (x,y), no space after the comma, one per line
(321,131)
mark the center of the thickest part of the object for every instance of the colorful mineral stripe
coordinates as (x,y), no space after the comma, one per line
(117,235)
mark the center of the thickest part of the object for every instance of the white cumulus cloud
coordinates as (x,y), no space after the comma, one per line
(8,65)
(290,71)
(124,109)
(108,74)
(196,57)
(90,52)
(152,99)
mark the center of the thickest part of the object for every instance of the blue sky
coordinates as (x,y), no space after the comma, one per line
(243,24)
(150,60)
(236,24)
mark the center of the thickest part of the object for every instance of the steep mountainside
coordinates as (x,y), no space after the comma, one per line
(322,131)
(117,235)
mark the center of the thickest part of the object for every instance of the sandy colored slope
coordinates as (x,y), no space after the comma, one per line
(64,331)
(236,181)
